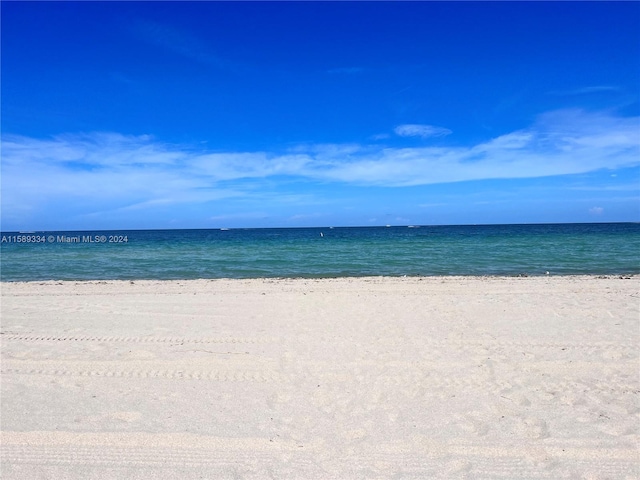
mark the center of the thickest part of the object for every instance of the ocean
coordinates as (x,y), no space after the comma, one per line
(560,249)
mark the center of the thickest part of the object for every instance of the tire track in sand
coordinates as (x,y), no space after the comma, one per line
(146,339)
(435,458)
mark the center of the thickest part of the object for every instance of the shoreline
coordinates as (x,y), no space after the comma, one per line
(350,377)
(599,276)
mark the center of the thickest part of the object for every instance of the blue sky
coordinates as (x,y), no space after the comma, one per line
(239,114)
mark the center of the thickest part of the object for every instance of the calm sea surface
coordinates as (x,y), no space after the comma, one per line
(560,249)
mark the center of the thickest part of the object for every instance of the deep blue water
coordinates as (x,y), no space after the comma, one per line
(561,249)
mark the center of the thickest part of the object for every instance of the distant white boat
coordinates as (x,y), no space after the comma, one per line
(224,229)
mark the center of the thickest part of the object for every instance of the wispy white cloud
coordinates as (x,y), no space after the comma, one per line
(380,136)
(424,131)
(588,90)
(596,210)
(624,187)
(98,172)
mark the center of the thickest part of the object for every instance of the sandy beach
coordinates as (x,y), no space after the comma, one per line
(368,378)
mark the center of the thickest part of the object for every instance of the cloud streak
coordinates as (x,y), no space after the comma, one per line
(424,131)
(588,90)
(109,171)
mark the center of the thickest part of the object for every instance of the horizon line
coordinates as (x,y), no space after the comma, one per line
(25,232)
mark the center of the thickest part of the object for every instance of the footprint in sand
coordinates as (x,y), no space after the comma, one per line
(617,429)
(516,397)
(472,423)
(532,427)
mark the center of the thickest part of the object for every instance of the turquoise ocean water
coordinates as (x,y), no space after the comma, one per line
(560,249)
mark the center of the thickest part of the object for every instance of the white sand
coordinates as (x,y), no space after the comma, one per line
(339,378)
